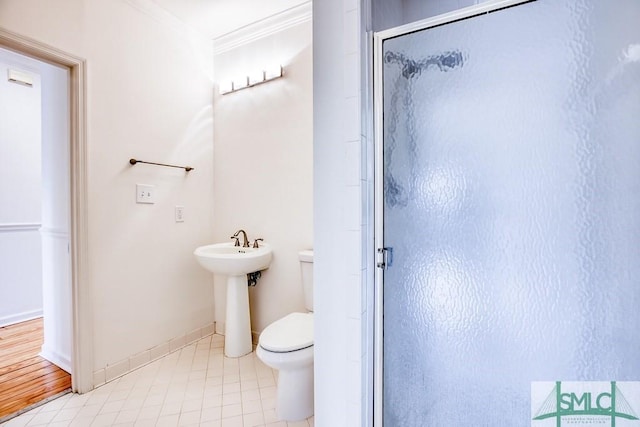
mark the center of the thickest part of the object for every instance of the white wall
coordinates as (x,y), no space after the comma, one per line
(339,187)
(263,160)
(20,193)
(149,96)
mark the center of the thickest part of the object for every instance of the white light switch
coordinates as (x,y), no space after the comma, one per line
(179,213)
(145,193)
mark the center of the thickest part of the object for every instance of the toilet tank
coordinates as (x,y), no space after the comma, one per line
(306,270)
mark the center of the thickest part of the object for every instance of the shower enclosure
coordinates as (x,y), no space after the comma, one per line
(508,207)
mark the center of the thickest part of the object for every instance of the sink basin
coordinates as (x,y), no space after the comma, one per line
(235,262)
(224,258)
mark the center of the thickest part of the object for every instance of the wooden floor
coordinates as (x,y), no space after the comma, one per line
(25,377)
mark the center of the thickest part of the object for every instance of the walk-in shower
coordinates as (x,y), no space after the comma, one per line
(507,188)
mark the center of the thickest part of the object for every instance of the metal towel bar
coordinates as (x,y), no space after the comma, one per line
(134,161)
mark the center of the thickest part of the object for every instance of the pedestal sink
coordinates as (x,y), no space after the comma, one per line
(235,262)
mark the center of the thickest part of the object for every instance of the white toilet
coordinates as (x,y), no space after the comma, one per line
(287,345)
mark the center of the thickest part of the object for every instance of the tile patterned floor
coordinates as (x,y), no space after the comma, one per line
(193,386)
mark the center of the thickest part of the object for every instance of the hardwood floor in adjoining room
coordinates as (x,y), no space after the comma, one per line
(25,377)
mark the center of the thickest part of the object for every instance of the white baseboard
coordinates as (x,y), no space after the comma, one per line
(20,317)
(219,327)
(138,360)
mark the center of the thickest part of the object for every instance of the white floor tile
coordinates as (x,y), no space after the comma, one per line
(251,407)
(231,388)
(81,422)
(211,414)
(153,400)
(149,413)
(128,416)
(267,392)
(168,421)
(253,420)
(57,404)
(65,415)
(133,403)
(229,378)
(232,422)
(247,385)
(212,401)
(42,418)
(189,418)
(193,386)
(88,411)
(112,407)
(231,398)
(249,395)
(19,421)
(104,420)
(192,405)
(268,403)
(230,411)
(171,408)
(119,395)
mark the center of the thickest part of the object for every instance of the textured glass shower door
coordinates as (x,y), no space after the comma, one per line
(511,203)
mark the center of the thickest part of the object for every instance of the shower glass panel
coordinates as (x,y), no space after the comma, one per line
(511,201)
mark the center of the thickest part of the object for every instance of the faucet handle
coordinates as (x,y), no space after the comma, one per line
(255,242)
(237,243)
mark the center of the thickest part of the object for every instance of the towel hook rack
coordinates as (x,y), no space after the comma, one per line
(134,161)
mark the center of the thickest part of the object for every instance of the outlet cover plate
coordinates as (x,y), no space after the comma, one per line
(179,213)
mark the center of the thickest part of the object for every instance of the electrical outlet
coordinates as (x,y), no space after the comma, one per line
(145,193)
(179,213)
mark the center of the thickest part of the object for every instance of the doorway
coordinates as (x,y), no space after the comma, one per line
(81,357)
(507,194)
(35,307)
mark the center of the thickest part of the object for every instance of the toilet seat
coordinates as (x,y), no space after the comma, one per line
(291,333)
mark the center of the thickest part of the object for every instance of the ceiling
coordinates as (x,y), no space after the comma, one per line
(214,18)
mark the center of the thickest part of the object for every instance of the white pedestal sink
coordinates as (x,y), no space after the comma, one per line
(235,262)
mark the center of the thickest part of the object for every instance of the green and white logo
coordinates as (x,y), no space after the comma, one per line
(585,403)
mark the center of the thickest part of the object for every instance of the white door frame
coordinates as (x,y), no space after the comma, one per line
(378,132)
(82,337)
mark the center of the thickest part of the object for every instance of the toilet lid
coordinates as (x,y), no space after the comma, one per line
(292,332)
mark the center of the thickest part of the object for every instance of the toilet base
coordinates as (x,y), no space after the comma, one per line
(294,391)
(294,400)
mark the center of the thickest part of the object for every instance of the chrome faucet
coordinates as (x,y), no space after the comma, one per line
(245,242)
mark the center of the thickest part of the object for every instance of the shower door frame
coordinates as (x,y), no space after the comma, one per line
(378,136)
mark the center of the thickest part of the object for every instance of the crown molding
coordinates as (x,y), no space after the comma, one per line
(159,14)
(263,28)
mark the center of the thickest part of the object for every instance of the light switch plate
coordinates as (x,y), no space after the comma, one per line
(145,193)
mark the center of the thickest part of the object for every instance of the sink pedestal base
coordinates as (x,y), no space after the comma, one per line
(237,338)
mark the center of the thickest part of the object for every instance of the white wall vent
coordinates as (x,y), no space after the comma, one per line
(20,77)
